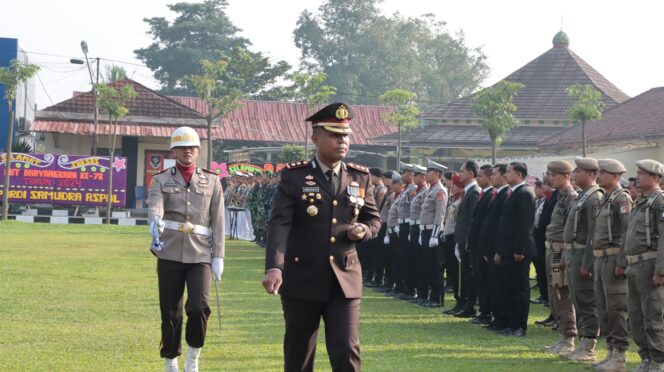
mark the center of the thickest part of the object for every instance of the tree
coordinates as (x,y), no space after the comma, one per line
(404,115)
(291,153)
(310,88)
(496,110)
(365,53)
(220,91)
(11,77)
(203,31)
(587,107)
(114,73)
(113,102)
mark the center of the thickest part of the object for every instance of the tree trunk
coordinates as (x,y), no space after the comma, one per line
(209,142)
(10,134)
(494,150)
(583,135)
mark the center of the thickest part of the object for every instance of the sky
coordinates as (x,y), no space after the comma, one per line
(622,40)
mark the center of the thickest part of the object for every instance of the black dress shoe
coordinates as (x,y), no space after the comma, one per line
(544,321)
(503,330)
(481,319)
(465,314)
(519,332)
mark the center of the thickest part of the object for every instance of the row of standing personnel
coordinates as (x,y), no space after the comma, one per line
(591,245)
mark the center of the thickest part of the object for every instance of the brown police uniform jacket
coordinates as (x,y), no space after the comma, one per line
(201,203)
(307,230)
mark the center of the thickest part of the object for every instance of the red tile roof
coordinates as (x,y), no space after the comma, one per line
(274,121)
(543,97)
(255,121)
(639,118)
(148,103)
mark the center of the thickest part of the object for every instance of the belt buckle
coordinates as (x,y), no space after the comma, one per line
(187,228)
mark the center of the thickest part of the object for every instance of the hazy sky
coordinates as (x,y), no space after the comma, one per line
(622,40)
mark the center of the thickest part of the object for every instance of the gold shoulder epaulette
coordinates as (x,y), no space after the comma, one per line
(361,168)
(164,170)
(297,164)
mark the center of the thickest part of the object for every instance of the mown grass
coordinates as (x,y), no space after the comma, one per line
(84,298)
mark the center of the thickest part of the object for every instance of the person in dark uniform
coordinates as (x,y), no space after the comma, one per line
(515,249)
(320,210)
(471,196)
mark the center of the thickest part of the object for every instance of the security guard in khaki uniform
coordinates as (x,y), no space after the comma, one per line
(578,257)
(186,214)
(644,250)
(559,297)
(320,210)
(431,218)
(608,249)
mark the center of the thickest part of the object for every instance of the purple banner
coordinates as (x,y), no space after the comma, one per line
(64,179)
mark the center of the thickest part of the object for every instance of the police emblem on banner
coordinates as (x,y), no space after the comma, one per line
(155,161)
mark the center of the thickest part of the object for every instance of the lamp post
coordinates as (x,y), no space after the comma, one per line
(95,93)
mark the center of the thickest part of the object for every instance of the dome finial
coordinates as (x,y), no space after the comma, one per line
(561,40)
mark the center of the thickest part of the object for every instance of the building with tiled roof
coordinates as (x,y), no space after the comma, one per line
(253,133)
(543,106)
(628,132)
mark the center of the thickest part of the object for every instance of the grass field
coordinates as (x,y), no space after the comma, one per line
(75,297)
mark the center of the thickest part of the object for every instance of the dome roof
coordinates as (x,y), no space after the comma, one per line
(561,40)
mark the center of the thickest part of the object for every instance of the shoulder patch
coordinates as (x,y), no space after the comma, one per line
(624,208)
(208,171)
(440,195)
(297,164)
(358,167)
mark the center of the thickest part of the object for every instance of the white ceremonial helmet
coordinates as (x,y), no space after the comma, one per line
(185,136)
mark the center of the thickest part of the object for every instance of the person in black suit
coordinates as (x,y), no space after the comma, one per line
(468,174)
(515,248)
(479,266)
(487,242)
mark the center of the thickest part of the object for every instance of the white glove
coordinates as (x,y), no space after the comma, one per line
(156,228)
(457,253)
(386,240)
(217,268)
(433,242)
(419,240)
(396,229)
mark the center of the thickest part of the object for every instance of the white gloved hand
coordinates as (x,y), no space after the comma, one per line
(457,254)
(386,240)
(419,240)
(217,268)
(433,242)
(396,229)
(156,228)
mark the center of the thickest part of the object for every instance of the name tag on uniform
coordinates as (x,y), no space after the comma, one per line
(171,184)
(310,189)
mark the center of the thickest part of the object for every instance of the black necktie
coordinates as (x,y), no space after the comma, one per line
(330,179)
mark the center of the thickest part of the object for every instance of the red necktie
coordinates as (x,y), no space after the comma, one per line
(493,196)
(509,193)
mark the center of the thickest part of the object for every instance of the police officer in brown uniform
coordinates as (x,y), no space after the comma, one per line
(414,257)
(644,250)
(186,214)
(608,249)
(559,297)
(578,257)
(320,210)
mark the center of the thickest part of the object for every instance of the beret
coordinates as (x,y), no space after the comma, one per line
(651,166)
(611,166)
(560,166)
(589,164)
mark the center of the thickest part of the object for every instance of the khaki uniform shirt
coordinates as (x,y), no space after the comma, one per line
(200,203)
(384,206)
(416,202)
(554,231)
(635,242)
(393,212)
(582,218)
(403,202)
(433,207)
(611,222)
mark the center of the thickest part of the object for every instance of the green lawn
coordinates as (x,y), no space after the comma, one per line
(75,297)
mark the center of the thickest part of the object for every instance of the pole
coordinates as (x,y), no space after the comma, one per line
(5,194)
(398,166)
(111,151)
(96,111)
